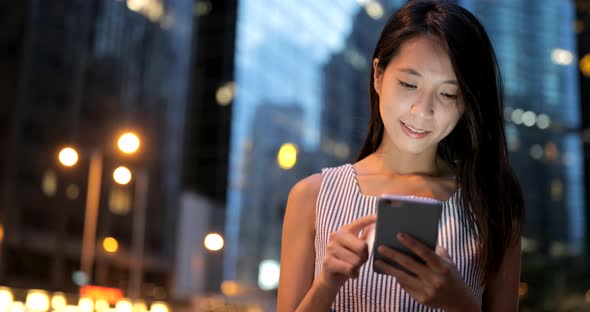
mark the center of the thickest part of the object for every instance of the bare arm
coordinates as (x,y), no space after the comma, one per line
(346,252)
(501,294)
(297,245)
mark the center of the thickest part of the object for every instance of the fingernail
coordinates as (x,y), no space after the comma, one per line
(401,235)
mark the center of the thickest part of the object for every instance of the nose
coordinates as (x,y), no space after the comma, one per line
(423,106)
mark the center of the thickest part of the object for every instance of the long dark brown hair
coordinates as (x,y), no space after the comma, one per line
(476,148)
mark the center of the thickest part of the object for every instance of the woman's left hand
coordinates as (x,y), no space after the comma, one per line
(437,283)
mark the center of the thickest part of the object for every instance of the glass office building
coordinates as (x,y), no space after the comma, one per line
(287,56)
(536,48)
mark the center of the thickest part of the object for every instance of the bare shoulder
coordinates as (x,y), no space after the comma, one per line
(302,200)
(304,195)
(307,187)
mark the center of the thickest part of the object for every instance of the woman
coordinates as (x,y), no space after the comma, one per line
(436,131)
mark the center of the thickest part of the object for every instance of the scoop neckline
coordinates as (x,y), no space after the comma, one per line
(359,191)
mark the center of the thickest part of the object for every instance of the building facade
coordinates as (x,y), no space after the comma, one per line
(91,70)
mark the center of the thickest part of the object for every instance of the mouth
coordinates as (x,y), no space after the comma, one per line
(413,132)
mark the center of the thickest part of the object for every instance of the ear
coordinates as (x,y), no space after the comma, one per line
(377,75)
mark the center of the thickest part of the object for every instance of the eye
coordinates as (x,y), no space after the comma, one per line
(449,96)
(407,85)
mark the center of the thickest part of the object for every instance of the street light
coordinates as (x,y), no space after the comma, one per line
(37,300)
(91,215)
(139,306)
(110,245)
(159,306)
(213,242)
(124,306)
(68,157)
(6,298)
(128,143)
(101,306)
(85,305)
(58,301)
(122,175)
(17,306)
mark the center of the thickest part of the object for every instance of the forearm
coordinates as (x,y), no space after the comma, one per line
(319,298)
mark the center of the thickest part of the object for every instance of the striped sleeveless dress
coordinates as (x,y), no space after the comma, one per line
(340,201)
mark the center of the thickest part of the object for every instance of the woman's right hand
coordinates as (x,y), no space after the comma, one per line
(346,253)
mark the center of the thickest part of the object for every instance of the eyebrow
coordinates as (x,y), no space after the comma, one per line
(415,73)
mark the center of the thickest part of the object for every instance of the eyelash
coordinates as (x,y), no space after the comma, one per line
(411,86)
(406,85)
(449,96)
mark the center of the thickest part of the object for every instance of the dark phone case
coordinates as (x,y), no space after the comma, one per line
(417,217)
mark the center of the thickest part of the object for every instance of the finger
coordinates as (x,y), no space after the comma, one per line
(348,256)
(442,251)
(406,280)
(367,231)
(357,225)
(421,250)
(355,245)
(350,242)
(335,265)
(406,262)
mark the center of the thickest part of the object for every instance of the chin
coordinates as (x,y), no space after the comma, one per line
(417,146)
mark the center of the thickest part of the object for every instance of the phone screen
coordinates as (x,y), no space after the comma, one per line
(417,217)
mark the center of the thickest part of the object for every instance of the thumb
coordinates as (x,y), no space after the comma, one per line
(441,251)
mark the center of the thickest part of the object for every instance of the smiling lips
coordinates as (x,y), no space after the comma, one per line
(413,132)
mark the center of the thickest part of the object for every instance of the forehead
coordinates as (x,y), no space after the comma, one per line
(426,55)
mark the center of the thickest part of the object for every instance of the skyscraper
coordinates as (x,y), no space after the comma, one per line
(90,70)
(11,39)
(207,142)
(535,44)
(281,49)
(267,187)
(345,109)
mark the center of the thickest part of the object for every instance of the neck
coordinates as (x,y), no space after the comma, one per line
(391,160)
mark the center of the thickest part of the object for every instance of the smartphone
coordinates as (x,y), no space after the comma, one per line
(417,217)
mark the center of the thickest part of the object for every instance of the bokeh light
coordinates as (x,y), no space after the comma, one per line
(68,157)
(122,175)
(110,245)
(128,143)
(213,242)
(287,156)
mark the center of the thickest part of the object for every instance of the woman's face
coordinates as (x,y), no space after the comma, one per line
(418,96)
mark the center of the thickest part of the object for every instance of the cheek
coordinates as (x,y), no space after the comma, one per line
(450,123)
(391,106)
(386,111)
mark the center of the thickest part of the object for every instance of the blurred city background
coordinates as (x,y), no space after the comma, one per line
(147,147)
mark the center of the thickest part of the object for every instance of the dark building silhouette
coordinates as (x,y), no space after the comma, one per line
(90,70)
(346,108)
(583,40)
(207,142)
